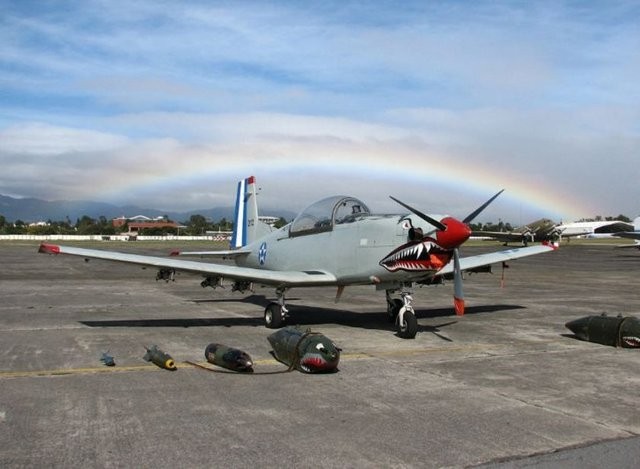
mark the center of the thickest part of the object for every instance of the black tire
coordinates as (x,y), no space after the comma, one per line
(393,309)
(409,327)
(273,316)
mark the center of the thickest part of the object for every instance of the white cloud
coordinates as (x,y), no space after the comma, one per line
(113,91)
(48,140)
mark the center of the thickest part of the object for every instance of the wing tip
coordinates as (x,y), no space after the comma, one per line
(49,248)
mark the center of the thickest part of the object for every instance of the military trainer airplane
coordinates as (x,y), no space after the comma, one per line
(539,230)
(335,242)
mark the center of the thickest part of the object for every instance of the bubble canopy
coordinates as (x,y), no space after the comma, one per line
(326,213)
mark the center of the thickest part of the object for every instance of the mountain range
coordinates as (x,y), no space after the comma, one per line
(33,210)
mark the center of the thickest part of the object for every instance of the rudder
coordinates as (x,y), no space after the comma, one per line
(246,213)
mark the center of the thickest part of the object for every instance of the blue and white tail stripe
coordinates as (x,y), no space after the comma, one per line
(241,226)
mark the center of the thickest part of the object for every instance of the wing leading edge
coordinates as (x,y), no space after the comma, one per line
(480,260)
(266,277)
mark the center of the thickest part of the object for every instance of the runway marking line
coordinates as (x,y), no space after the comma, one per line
(264,361)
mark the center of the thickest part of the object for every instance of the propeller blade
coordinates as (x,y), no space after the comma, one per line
(458,294)
(479,210)
(426,218)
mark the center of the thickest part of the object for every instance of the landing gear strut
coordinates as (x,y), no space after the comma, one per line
(275,314)
(393,307)
(401,312)
(166,275)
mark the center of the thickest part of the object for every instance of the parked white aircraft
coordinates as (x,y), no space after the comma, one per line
(587,228)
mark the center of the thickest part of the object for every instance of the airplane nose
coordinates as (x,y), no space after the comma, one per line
(455,234)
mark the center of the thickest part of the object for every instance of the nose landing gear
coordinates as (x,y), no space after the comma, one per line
(400,311)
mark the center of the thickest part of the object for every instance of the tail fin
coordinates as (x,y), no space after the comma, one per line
(247,228)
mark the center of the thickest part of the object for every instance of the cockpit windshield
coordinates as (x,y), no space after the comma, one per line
(324,214)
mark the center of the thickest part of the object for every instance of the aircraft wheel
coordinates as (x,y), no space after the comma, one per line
(409,327)
(393,309)
(273,316)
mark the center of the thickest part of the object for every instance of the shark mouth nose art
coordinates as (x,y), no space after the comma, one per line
(415,256)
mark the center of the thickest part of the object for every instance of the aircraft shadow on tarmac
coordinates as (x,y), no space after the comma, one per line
(306,316)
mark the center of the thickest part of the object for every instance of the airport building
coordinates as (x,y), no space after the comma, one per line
(140,222)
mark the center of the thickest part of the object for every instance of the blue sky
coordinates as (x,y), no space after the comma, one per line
(166,104)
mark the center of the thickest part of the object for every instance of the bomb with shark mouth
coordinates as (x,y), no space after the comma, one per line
(606,330)
(306,351)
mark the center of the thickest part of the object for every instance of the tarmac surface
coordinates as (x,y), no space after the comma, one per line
(504,386)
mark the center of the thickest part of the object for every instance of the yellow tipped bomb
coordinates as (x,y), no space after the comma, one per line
(159,358)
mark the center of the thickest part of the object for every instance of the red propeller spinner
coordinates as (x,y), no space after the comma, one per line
(454,235)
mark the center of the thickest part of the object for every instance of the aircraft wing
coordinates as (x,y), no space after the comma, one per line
(504,236)
(628,234)
(473,262)
(266,277)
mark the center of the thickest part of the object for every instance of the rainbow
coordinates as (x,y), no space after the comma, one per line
(212,166)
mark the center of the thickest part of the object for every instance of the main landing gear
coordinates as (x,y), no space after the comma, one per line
(276,313)
(400,311)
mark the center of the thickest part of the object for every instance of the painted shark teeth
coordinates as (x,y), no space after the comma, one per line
(633,342)
(412,257)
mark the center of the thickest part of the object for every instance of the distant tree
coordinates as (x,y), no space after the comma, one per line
(62,227)
(105,226)
(224,224)
(18,227)
(280,223)
(3,221)
(88,226)
(41,230)
(197,225)
(620,217)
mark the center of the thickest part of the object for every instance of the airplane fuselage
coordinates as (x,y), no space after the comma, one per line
(351,251)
